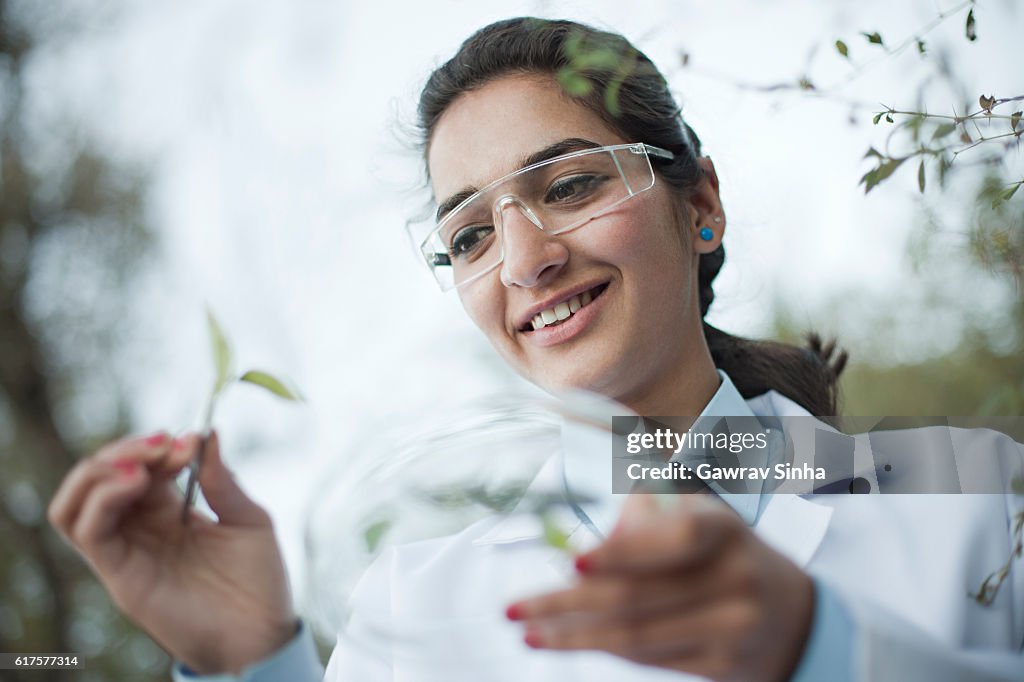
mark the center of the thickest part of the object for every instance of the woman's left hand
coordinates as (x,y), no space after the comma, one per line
(689,588)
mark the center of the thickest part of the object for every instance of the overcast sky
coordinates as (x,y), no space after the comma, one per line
(277,173)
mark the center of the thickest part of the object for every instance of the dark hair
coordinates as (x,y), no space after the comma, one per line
(621,85)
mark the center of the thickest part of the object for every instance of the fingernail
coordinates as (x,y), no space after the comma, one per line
(156,439)
(178,445)
(514,612)
(533,639)
(127,468)
(584,564)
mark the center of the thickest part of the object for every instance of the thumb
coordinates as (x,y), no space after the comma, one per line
(222,492)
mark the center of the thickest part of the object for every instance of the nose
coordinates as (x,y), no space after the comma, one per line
(531,255)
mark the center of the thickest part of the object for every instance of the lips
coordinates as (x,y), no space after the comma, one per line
(563,310)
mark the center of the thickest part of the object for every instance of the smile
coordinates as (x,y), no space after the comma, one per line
(554,316)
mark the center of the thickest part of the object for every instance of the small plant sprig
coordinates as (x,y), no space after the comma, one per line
(224,376)
(986,594)
(939,145)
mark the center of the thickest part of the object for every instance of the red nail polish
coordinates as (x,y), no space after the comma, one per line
(533,639)
(584,564)
(156,439)
(514,612)
(178,445)
(127,468)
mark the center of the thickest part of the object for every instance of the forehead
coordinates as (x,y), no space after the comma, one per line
(484,133)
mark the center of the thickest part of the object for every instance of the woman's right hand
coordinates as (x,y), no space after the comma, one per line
(213,593)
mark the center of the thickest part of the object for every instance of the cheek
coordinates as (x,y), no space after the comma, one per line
(485,307)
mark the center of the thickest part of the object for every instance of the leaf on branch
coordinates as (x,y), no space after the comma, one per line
(873,38)
(964,137)
(943,130)
(1015,119)
(878,117)
(987,103)
(920,176)
(221,352)
(842,49)
(272,384)
(872,152)
(970,30)
(573,83)
(877,175)
(920,46)
(1005,195)
(888,117)
(805,83)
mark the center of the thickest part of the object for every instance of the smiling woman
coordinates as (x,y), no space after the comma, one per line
(582,229)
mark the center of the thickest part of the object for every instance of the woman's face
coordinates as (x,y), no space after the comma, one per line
(638,262)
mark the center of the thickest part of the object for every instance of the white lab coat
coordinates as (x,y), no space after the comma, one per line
(902,564)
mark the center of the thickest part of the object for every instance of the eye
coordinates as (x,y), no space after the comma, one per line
(574,188)
(469,240)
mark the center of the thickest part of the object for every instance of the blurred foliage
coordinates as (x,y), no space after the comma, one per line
(972,217)
(71,237)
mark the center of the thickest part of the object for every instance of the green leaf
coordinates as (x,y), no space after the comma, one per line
(1006,196)
(221,352)
(574,83)
(876,175)
(553,535)
(878,117)
(272,384)
(873,38)
(611,98)
(888,117)
(943,130)
(920,176)
(872,152)
(374,533)
(920,46)
(842,49)
(970,30)
(1015,119)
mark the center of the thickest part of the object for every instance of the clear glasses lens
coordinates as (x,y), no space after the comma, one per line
(557,196)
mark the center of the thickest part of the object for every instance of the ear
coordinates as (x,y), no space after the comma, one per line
(707,212)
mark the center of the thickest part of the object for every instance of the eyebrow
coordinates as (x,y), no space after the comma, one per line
(569,144)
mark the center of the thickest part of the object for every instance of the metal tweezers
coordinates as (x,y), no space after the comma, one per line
(193,477)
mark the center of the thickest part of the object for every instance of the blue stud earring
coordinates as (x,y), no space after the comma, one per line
(707,234)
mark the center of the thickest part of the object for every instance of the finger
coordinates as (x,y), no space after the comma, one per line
(670,539)
(652,640)
(67,501)
(147,449)
(104,508)
(223,493)
(610,595)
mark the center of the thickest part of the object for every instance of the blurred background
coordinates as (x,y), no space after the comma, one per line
(254,157)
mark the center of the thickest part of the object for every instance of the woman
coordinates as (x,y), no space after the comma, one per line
(609,296)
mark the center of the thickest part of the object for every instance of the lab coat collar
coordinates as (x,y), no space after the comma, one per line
(583,467)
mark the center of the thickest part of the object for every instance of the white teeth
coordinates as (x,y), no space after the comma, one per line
(562,311)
